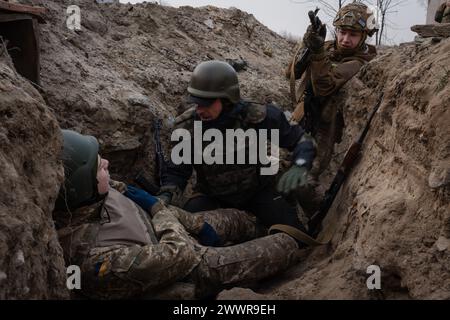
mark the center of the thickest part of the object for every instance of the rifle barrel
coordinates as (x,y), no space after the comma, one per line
(369,121)
(341,175)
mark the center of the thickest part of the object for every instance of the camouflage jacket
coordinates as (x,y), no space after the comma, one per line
(234,184)
(331,69)
(443,14)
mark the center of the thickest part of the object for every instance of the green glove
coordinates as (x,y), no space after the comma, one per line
(294,178)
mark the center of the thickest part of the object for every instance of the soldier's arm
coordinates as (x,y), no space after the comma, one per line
(327,78)
(440,13)
(292,137)
(175,177)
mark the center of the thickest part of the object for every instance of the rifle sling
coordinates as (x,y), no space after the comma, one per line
(298,235)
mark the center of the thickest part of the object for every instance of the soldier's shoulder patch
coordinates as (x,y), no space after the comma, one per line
(102,268)
(256,113)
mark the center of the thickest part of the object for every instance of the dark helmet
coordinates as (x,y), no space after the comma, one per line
(80,158)
(356,16)
(215,79)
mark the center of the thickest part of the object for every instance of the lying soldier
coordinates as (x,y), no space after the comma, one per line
(134,248)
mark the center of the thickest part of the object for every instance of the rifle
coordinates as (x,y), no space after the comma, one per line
(160,163)
(299,66)
(344,170)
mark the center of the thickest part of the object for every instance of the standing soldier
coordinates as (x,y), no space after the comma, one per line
(330,65)
(443,13)
(214,90)
(128,244)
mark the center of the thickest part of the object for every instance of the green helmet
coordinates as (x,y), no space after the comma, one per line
(356,16)
(215,79)
(80,157)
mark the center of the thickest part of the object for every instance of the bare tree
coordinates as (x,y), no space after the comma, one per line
(385,8)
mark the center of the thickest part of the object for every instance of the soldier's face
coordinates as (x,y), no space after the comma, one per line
(348,39)
(102,176)
(211,112)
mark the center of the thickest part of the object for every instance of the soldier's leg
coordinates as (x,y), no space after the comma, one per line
(200,203)
(329,132)
(271,208)
(231,225)
(243,264)
(309,196)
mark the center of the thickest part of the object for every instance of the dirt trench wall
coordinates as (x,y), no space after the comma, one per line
(31,263)
(132,63)
(393,211)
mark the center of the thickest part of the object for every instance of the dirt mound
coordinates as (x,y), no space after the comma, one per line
(31,263)
(393,211)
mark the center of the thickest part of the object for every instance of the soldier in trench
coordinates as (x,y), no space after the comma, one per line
(329,67)
(128,244)
(214,92)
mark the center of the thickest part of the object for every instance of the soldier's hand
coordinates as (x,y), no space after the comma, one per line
(140,197)
(291,180)
(208,236)
(314,40)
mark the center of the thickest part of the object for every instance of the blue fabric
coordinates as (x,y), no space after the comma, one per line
(208,236)
(141,197)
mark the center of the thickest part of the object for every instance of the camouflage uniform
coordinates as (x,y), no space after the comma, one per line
(241,185)
(329,68)
(330,71)
(124,253)
(443,13)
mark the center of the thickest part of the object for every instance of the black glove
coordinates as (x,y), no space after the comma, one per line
(314,40)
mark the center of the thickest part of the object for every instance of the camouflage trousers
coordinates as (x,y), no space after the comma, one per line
(119,272)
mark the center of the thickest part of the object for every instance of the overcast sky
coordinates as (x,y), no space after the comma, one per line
(288,16)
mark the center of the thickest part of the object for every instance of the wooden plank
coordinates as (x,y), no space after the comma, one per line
(432,30)
(21,8)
